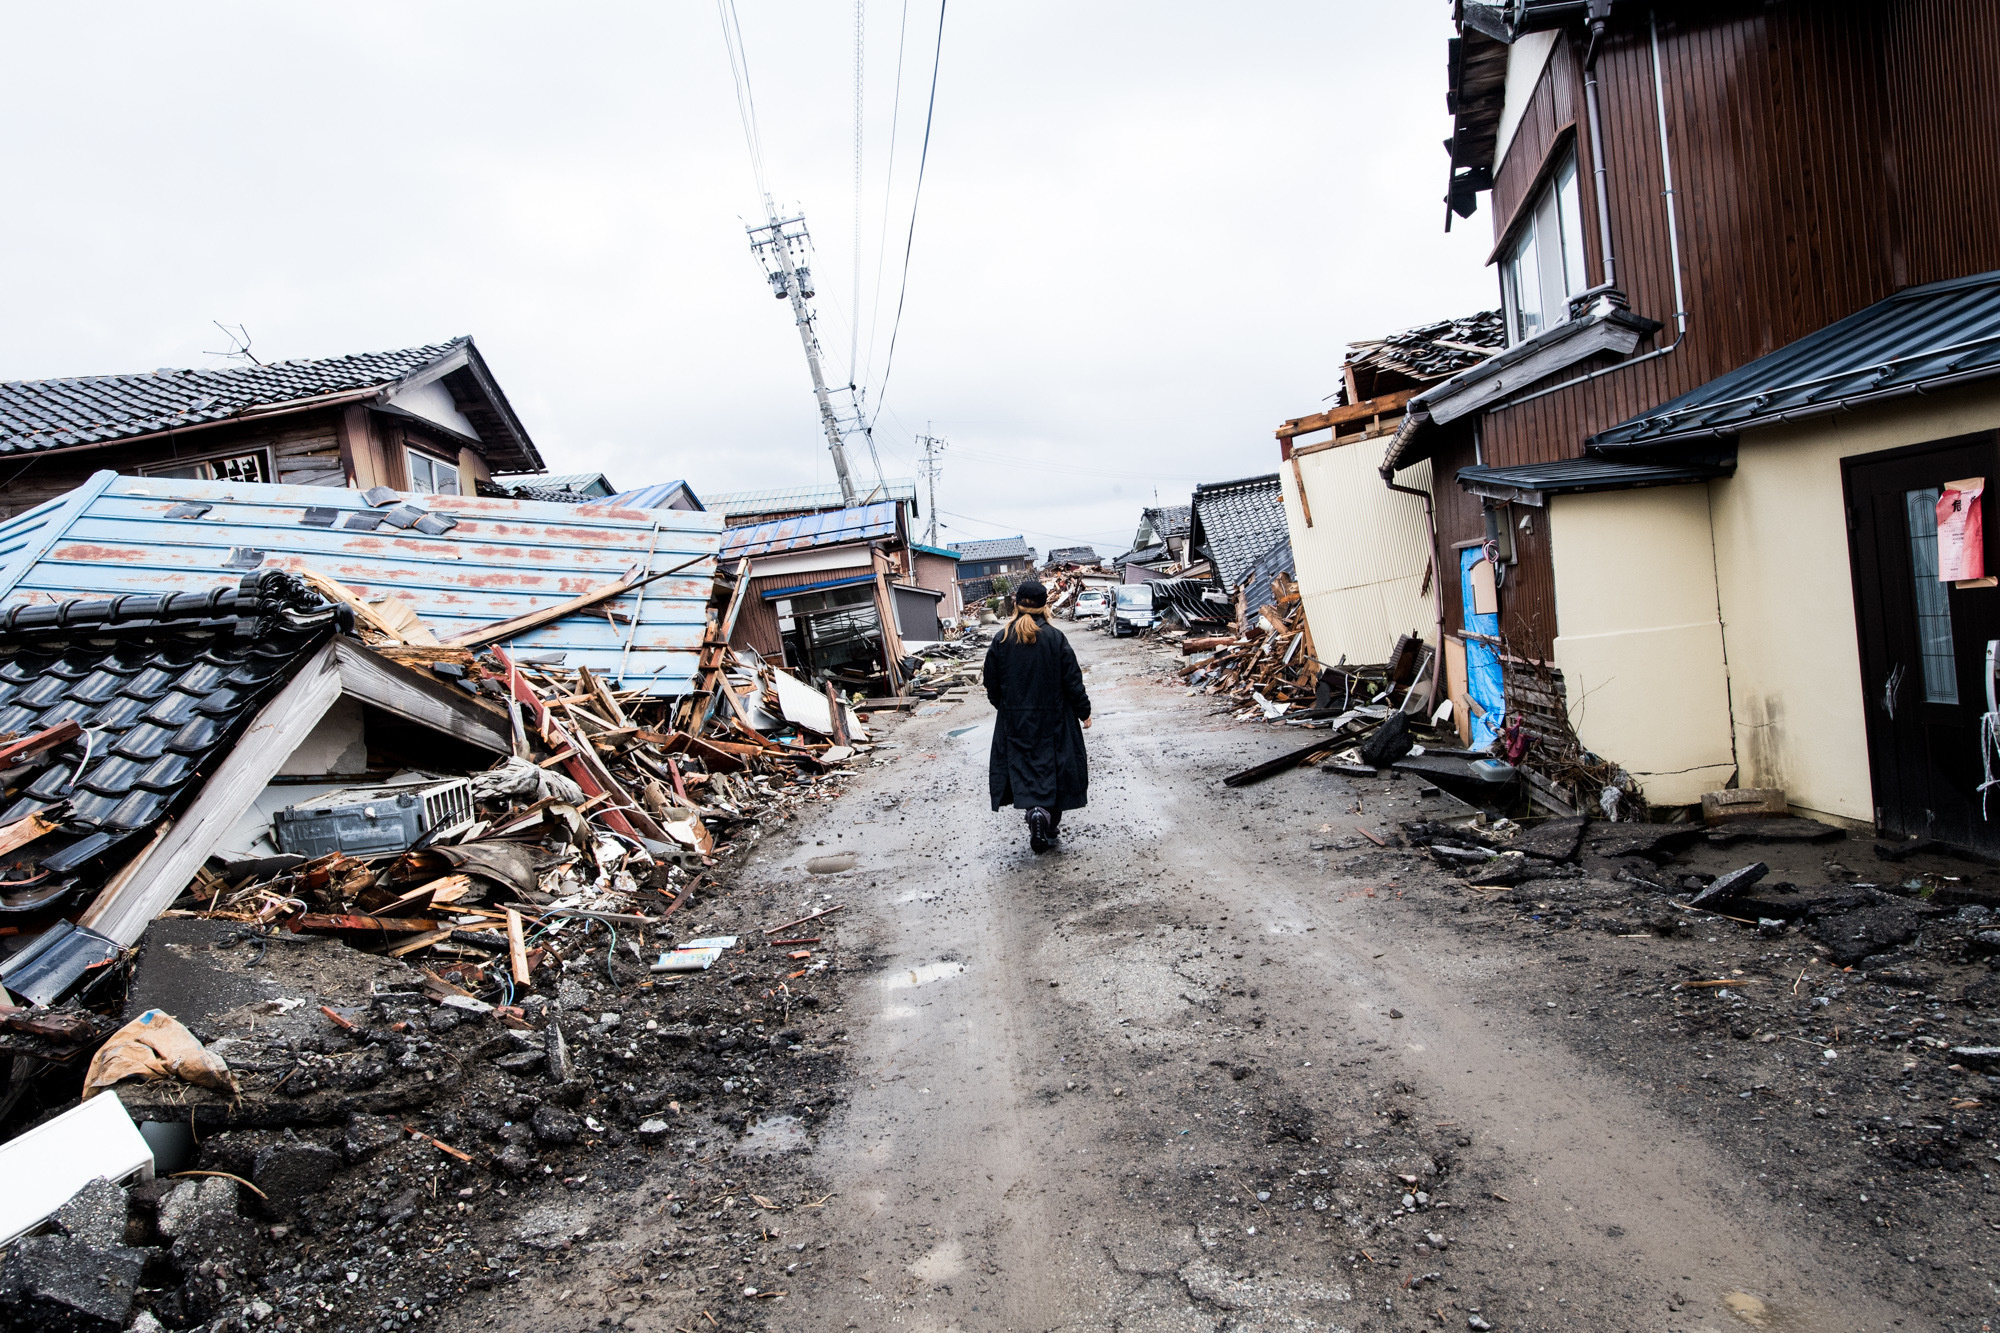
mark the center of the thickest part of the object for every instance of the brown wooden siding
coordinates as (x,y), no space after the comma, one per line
(1825,156)
(305,452)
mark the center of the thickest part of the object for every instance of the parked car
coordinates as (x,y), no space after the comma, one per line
(1091,603)
(1132,609)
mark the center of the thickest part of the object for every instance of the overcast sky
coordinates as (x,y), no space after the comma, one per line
(1147,230)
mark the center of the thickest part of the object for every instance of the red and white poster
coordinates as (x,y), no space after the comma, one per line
(1961,535)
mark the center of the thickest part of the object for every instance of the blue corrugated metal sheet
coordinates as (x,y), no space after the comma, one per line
(806,531)
(739,503)
(505,557)
(653,497)
(1916,341)
(799,590)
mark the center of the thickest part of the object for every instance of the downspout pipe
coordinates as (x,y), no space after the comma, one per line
(1600,13)
(1437,584)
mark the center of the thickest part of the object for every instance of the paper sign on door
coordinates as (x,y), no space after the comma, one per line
(1961,534)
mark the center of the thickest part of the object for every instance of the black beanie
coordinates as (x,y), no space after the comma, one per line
(1031,594)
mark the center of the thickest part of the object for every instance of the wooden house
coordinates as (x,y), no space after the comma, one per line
(427,420)
(1747,255)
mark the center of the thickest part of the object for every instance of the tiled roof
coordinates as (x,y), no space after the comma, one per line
(1428,352)
(1917,341)
(731,504)
(1266,567)
(160,683)
(461,562)
(806,531)
(1073,555)
(1235,522)
(994,548)
(1169,520)
(100,409)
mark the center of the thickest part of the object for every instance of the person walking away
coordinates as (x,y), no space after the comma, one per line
(1036,688)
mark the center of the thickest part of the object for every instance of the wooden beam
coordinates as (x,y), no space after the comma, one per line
(517,948)
(1305,505)
(527,620)
(46,739)
(1373,407)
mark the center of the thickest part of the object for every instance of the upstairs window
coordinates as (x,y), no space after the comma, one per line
(253,466)
(431,476)
(1544,267)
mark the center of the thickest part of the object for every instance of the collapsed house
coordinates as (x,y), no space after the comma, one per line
(839,595)
(1367,564)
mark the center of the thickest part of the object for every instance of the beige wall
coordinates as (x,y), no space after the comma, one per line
(1641,648)
(1362,562)
(1787,595)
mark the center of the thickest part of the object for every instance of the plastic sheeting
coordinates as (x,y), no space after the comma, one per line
(1482,664)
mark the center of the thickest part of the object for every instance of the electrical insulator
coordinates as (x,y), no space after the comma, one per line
(805,276)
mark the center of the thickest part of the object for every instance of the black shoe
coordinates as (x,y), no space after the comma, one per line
(1041,830)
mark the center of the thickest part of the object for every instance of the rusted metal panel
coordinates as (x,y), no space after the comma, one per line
(503,558)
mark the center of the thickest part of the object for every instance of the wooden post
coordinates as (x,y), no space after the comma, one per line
(517,948)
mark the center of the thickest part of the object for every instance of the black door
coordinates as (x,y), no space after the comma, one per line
(1923,643)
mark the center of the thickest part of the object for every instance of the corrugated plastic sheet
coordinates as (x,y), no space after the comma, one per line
(806,531)
(112,536)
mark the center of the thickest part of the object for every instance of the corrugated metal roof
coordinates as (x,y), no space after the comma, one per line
(736,503)
(503,557)
(657,496)
(1916,341)
(803,532)
(1575,475)
(946,552)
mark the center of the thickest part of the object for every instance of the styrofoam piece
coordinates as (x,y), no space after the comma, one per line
(695,955)
(44,1168)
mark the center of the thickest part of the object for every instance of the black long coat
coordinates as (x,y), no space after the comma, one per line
(1037,691)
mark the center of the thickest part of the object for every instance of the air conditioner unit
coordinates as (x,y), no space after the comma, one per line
(369,821)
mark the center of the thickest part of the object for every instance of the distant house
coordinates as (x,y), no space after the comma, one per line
(1162,536)
(740,507)
(563,488)
(1235,524)
(665,495)
(1073,555)
(429,420)
(996,555)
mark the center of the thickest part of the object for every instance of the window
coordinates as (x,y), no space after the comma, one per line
(253,466)
(431,476)
(1544,267)
(1934,641)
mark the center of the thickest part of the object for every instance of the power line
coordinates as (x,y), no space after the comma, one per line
(854,319)
(746,101)
(909,241)
(1059,536)
(888,185)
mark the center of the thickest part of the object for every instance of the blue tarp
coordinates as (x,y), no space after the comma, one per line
(1482,664)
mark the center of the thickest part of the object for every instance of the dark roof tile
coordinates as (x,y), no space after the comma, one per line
(1235,522)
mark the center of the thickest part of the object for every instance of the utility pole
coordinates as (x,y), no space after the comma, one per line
(932,447)
(773,243)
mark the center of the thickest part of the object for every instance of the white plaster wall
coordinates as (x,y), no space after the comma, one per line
(433,402)
(1787,595)
(1641,648)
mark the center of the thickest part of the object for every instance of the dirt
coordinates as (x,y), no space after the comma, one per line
(1219,1062)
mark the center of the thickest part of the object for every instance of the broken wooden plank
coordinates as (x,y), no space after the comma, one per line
(29,747)
(1272,767)
(517,948)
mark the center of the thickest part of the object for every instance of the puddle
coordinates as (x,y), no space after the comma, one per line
(917,976)
(770,1136)
(831,865)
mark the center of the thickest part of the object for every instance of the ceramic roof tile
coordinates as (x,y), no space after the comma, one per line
(1235,522)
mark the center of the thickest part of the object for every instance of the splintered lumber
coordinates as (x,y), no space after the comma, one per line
(1272,767)
(23,831)
(772,930)
(517,948)
(28,747)
(388,925)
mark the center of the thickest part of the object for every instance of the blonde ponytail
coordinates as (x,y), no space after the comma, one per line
(1022,628)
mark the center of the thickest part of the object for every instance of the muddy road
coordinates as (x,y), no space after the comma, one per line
(1220,1063)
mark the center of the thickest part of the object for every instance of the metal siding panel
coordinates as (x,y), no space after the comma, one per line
(1361,564)
(504,558)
